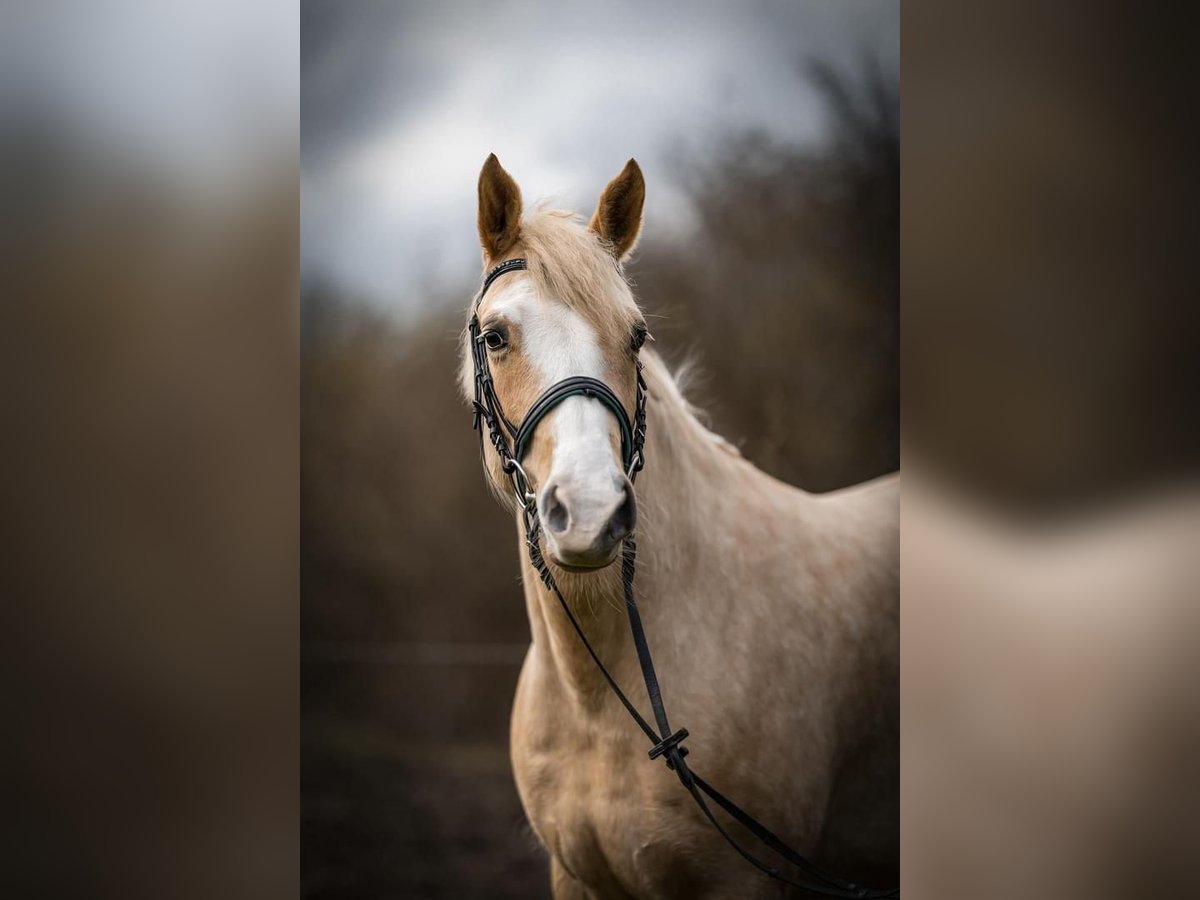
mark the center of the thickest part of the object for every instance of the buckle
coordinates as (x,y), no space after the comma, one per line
(635,465)
(670,746)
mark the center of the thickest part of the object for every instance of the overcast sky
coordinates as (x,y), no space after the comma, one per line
(402,102)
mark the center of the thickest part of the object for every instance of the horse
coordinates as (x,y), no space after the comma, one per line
(773,613)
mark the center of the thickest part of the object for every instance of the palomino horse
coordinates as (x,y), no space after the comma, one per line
(772,613)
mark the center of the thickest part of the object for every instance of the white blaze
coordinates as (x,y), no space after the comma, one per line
(559,343)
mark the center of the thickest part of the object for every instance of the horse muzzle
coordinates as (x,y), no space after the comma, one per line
(584,527)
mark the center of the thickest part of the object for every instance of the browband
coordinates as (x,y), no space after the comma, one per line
(509,265)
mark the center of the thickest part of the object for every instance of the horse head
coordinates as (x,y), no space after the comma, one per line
(554,335)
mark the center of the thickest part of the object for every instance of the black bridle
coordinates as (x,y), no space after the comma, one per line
(487,406)
(666,743)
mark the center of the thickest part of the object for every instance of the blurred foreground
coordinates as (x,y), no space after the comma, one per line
(149,462)
(1051,520)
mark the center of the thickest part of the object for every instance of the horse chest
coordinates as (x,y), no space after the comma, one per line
(595,813)
(564,784)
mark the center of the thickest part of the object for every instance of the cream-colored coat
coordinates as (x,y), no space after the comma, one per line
(773,618)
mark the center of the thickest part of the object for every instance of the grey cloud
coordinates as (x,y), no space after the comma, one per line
(401,103)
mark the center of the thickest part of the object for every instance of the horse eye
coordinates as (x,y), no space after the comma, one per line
(639,337)
(495,340)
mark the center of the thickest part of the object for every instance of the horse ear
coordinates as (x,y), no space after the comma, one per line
(618,217)
(499,209)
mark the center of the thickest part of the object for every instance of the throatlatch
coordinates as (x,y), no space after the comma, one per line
(666,744)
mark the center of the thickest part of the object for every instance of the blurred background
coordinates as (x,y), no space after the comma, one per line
(769,136)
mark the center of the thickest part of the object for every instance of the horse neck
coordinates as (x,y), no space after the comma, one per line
(685,465)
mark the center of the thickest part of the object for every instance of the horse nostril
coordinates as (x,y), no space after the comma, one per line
(622,521)
(555,511)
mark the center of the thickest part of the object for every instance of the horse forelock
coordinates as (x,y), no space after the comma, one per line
(570,263)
